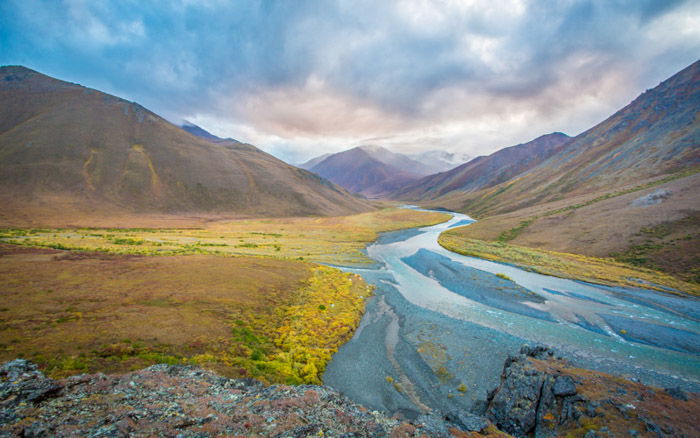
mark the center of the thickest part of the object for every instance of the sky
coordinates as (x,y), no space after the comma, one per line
(307,77)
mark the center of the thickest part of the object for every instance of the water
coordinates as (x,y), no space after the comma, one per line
(455,315)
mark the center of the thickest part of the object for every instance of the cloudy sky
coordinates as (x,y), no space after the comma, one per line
(301,78)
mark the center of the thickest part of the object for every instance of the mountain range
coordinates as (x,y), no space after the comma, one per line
(64,146)
(486,171)
(375,171)
(656,134)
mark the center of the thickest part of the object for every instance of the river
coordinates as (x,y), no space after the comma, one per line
(440,326)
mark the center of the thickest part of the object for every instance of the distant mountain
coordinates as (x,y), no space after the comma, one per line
(371,171)
(486,171)
(398,161)
(314,161)
(657,134)
(441,161)
(202,133)
(66,146)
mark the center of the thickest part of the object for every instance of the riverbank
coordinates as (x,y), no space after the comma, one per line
(574,266)
(442,324)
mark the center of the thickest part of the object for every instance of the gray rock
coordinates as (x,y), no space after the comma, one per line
(677,393)
(514,405)
(656,197)
(467,421)
(563,386)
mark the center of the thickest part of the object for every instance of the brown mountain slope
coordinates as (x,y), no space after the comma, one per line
(483,172)
(627,188)
(658,133)
(360,172)
(66,146)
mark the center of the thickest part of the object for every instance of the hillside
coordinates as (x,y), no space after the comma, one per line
(64,147)
(657,134)
(368,171)
(483,172)
(626,188)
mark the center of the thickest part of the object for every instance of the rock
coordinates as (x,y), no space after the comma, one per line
(529,401)
(467,421)
(21,382)
(514,406)
(165,400)
(677,393)
(537,351)
(433,425)
(563,386)
(36,430)
(656,197)
(19,369)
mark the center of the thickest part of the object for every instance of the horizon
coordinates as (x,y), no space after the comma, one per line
(298,82)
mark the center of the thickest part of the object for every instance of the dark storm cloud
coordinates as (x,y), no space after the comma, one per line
(294,76)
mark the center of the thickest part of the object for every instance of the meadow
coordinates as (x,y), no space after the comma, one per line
(580,267)
(334,240)
(244,298)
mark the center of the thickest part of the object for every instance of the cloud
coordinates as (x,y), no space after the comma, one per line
(303,78)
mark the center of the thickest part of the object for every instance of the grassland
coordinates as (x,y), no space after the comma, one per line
(576,266)
(240,297)
(660,239)
(512,233)
(337,240)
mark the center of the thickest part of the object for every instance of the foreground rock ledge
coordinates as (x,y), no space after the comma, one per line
(538,396)
(183,401)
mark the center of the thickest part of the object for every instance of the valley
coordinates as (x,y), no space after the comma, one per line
(225,297)
(443,263)
(451,319)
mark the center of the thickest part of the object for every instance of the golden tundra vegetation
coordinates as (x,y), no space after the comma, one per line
(601,237)
(242,297)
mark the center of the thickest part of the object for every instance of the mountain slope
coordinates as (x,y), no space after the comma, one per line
(203,133)
(314,161)
(483,172)
(62,144)
(658,133)
(398,161)
(360,171)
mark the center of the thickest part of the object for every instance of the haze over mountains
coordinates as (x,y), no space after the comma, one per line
(375,171)
(66,146)
(486,171)
(658,133)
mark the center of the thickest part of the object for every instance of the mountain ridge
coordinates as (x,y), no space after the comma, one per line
(65,144)
(486,171)
(656,134)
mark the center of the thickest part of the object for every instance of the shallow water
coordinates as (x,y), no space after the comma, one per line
(470,317)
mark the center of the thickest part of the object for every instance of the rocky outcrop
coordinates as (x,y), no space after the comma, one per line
(165,400)
(529,401)
(184,401)
(539,396)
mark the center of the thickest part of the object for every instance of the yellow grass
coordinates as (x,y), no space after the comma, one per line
(103,306)
(559,264)
(335,240)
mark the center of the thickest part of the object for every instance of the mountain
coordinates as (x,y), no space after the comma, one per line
(398,161)
(362,170)
(66,146)
(314,161)
(486,171)
(441,161)
(202,133)
(656,134)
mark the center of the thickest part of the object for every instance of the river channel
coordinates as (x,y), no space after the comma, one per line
(440,326)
